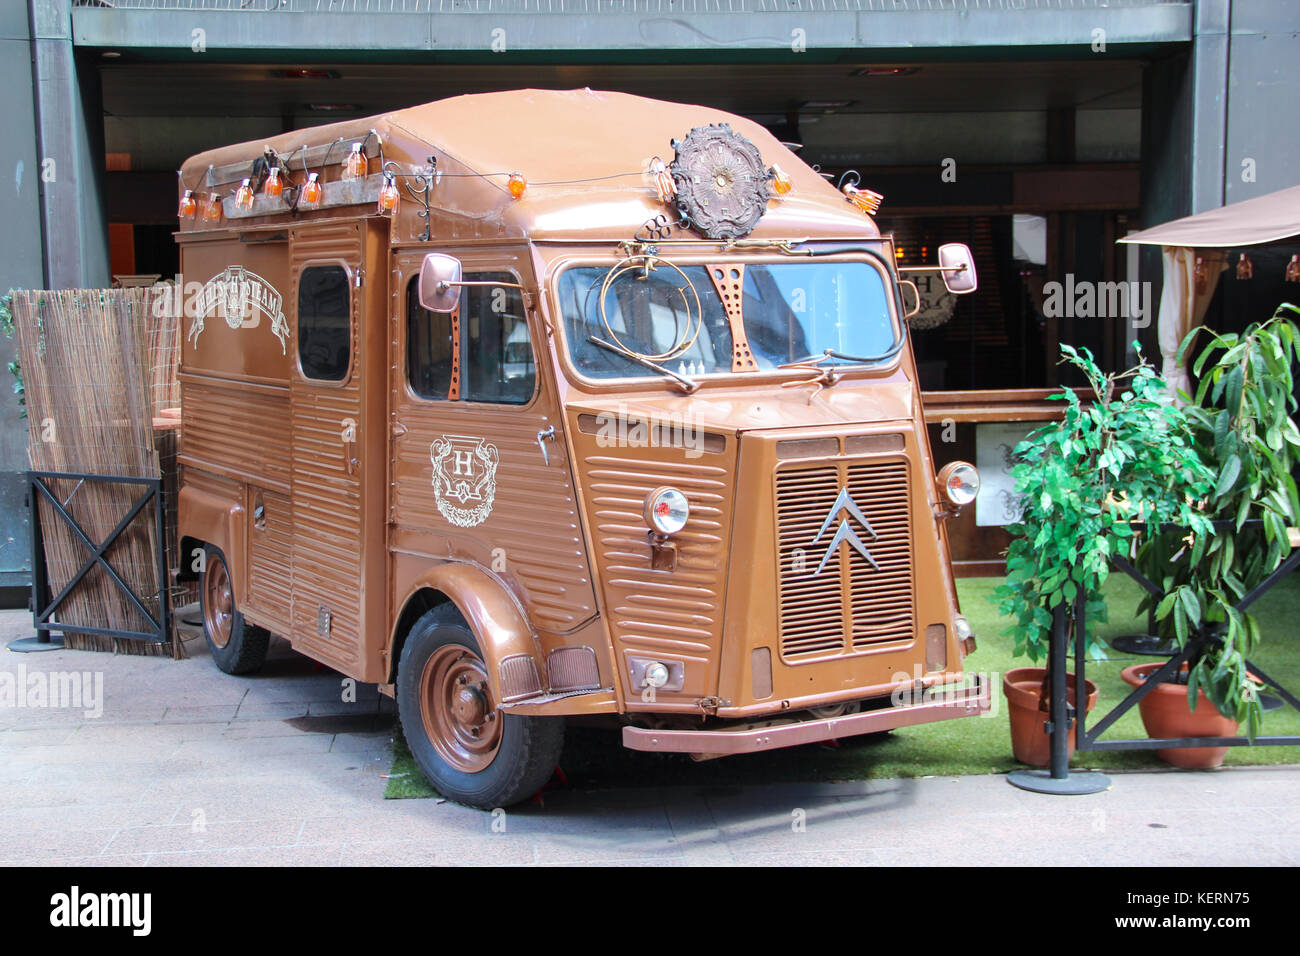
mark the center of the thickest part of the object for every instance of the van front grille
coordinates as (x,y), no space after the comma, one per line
(833,600)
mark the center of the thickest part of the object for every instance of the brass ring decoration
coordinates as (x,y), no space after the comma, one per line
(686,332)
(722,185)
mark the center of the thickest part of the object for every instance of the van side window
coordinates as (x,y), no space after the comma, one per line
(324,313)
(428,348)
(496,361)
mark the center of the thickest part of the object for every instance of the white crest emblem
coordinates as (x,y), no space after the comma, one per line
(464,478)
(242,298)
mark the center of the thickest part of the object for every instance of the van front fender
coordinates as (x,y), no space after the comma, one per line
(511,651)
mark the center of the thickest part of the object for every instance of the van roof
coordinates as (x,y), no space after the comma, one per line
(583,152)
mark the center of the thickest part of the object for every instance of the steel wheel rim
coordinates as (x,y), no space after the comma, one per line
(218,603)
(456,706)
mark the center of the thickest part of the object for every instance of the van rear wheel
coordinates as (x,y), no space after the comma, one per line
(470,751)
(237,647)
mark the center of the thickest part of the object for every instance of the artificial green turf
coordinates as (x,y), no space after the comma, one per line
(595,758)
(405,780)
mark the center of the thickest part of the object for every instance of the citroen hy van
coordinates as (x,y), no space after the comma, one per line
(541,405)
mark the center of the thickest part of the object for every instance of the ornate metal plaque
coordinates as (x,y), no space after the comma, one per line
(722,187)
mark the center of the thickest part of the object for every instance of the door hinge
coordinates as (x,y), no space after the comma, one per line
(361,277)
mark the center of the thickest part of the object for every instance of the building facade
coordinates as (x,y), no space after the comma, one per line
(1037,131)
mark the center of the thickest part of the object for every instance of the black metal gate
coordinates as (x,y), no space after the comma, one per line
(45,607)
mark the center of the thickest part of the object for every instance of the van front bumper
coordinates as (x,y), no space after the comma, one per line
(755,736)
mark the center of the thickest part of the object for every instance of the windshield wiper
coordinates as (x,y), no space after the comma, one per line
(825,377)
(687,385)
(809,361)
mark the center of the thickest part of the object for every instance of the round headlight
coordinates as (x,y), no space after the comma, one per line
(960,482)
(666,510)
(963,628)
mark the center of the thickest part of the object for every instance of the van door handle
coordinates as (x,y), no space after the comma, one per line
(349,436)
(542,437)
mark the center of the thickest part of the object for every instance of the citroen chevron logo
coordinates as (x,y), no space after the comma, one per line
(845,532)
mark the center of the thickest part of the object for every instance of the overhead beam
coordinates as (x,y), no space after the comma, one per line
(750,28)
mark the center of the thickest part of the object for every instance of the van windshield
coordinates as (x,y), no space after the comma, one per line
(676,316)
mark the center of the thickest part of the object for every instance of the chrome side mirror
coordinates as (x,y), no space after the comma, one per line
(957,266)
(440,282)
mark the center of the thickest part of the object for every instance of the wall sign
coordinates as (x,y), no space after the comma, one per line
(936,305)
(997,502)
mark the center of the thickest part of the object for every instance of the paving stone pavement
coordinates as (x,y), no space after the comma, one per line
(187,766)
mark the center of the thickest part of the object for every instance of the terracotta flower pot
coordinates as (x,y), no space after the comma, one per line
(1030,742)
(1165,714)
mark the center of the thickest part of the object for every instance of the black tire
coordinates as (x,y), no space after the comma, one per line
(440,644)
(237,647)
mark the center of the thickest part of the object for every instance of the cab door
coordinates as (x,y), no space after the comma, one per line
(479,468)
(337,457)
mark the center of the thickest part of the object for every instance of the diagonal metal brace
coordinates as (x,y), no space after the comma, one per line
(97,555)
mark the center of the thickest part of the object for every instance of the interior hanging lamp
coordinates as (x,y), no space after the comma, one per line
(1245,268)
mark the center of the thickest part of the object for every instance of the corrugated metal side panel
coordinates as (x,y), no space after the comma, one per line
(326,500)
(674,614)
(203,480)
(533,535)
(236,428)
(270,561)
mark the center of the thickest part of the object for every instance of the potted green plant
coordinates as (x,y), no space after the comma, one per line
(1083,481)
(1241,417)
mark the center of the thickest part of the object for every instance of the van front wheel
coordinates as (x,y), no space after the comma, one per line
(469,750)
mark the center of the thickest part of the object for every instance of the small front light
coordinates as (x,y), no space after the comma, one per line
(656,675)
(960,482)
(963,628)
(666,510)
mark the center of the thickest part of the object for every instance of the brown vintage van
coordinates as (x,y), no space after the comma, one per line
(536,405)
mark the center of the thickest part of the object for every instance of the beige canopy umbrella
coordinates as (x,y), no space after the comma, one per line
(1206,235)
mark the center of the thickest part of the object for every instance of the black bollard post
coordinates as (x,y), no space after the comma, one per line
(44,640)
(1058,779)
(1060,704)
